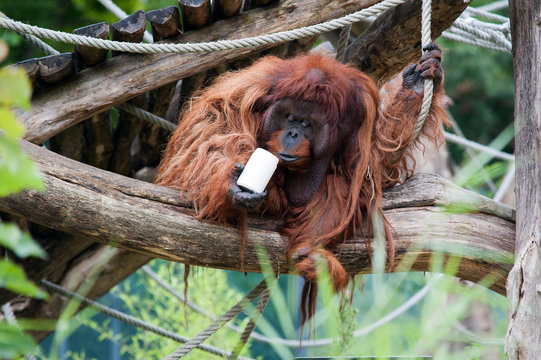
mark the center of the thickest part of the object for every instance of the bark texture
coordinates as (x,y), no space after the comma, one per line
(523,285)
(111,209)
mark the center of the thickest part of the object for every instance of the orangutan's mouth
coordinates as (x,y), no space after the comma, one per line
(286,157)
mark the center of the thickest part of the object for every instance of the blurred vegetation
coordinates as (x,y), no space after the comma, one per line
(480,84)
(17,172)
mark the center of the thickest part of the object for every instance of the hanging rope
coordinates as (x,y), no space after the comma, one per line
(426,38)
(343,43)
(271,39)
(221,321)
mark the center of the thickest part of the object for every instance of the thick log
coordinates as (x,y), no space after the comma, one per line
(31,67)
(152,138)
(127,76)
(99,140)
(225,8)
(130,29)
(165,22)
(173,109)
(153,220)
(195,13)
(253,4)
(188,87)
(370,52)
(98,131)
(70,142)
(524,310)
(90,55)
(300,46)
(55,68)
(127,128)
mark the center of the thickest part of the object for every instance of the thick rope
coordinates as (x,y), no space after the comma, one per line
(486,14)
(476,146)
(128,319)
(12,320)
(40,44)
(472,31)
(497,37)
(458,35)
(250,327)
(343,43)
(426,38)
(148,117)
(37,42)
(255,41)
(8,314)
(221,321)
(255,335)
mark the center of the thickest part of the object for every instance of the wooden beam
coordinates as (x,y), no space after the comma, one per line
(165,22)
(129,29)
(90,55)
(226,8)
(524,309)
(31,67)
(55,68)
(128,75)
(155,221)
(195,13)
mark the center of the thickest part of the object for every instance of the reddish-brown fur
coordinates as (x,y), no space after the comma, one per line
(222,127)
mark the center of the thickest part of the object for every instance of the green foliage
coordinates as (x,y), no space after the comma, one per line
(11,237)
(17,172)
(13,342)
(480,84)
(12,278)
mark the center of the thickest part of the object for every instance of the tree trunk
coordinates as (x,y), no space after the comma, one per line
(523,286)
(112,209)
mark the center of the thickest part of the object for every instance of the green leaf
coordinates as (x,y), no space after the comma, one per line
(19,242)
(17,171)
(13,342)
(15,88)
(11,127)
(13,278)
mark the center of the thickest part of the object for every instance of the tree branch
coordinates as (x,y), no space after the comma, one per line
(127,76)
(111,209)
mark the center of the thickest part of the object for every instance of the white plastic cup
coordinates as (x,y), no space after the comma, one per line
(258,171)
